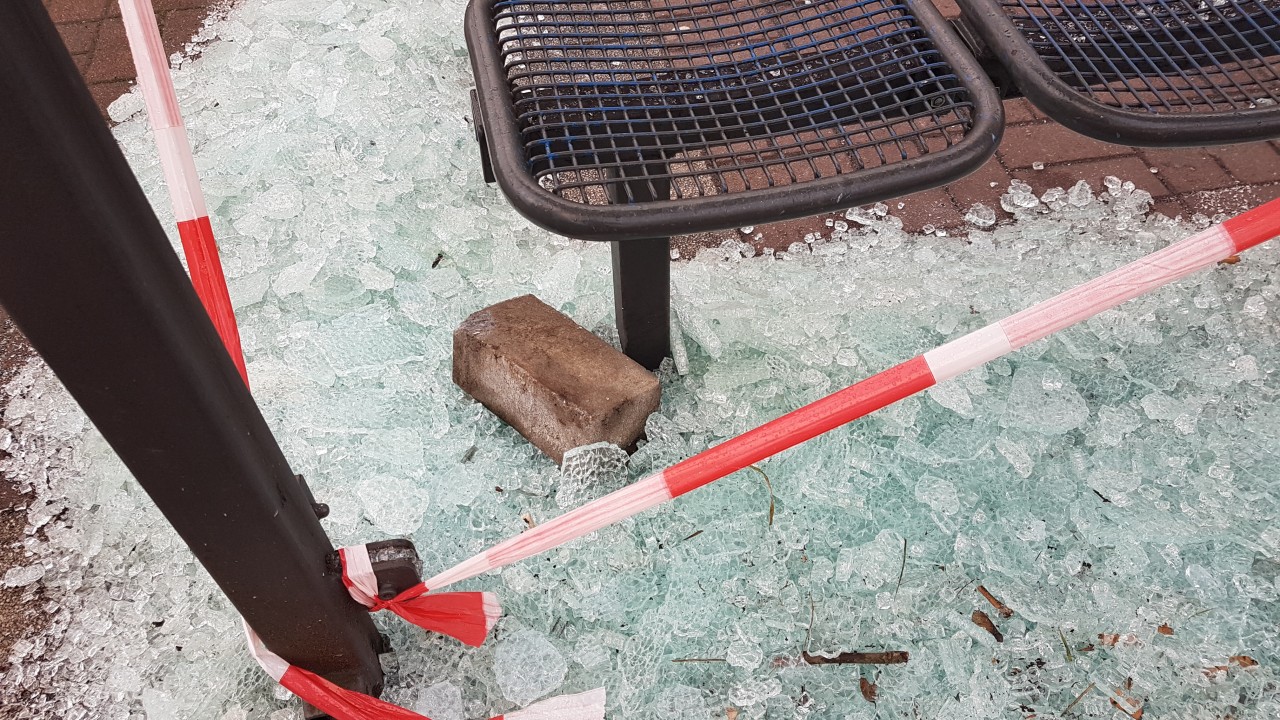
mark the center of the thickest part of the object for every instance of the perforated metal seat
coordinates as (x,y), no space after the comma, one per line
(1142,72)
(718,113)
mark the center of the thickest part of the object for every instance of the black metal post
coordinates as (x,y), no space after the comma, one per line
(642,298)
(88,274)
(642,277)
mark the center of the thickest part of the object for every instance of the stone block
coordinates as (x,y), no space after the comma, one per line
(549,378)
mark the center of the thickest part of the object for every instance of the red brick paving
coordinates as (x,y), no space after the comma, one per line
(1187,170)
(1019,111)
(982,186)
(1050,143)
(1251,163)
(94,35)
(1093,171)
(111,60)
(69,11)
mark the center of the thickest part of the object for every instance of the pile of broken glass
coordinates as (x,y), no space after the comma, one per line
(1114,489)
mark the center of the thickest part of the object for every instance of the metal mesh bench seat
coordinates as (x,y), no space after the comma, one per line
(1142,72)
(627,120)
(723,112)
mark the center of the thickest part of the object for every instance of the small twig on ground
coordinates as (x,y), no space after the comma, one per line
(470,453)
(881,657)
(902,568)
(769,486)
(868,689)
(808,633)
(689,660)
(692,535)
(1000,607)
(1079,697)
(1067,648)
(983,621)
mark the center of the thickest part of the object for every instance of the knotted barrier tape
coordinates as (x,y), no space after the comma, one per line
(343,704)
(464,616)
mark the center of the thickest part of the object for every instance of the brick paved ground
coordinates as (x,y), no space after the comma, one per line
(94,34)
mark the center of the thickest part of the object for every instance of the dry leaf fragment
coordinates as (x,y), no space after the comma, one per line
(1240,661)
(1114,639)
(983,621)
(868,689)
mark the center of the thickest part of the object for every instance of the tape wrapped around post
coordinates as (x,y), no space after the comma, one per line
(342,704)
(464,616)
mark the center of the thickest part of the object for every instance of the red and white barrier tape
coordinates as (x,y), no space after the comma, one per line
(464,616)
(965,353)
(179,166)
(343,704)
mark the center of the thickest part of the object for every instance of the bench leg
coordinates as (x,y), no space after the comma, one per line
(642,271)
(642,298)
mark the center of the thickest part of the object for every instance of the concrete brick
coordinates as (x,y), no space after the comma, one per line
(550,379)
